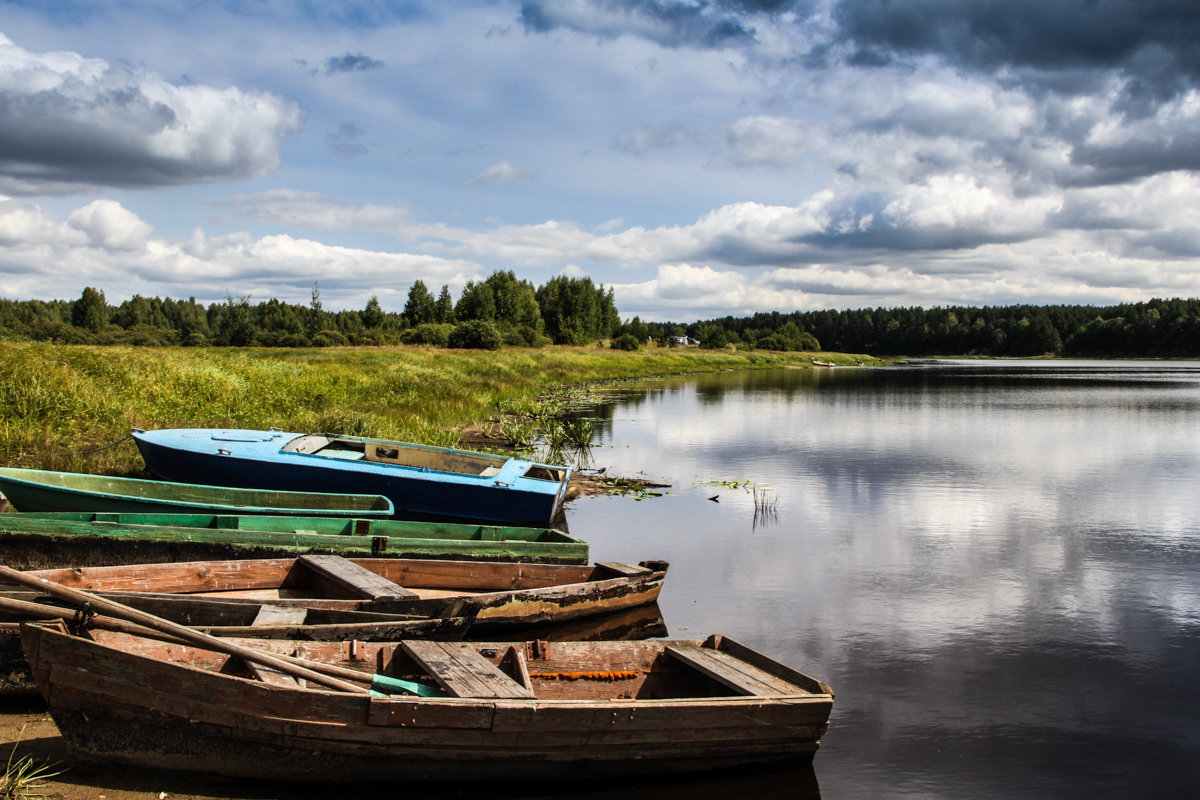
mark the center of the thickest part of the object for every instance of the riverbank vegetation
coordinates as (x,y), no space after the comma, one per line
(502,311)
(492,313)
(1153,329)
(62,405)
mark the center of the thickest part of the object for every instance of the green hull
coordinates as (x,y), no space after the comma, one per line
(45,490)
(41,540)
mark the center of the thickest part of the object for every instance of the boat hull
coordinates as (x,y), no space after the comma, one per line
(44,540)
(256,459)
(118,706)
(45,490)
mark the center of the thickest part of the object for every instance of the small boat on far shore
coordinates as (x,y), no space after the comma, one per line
(47,490)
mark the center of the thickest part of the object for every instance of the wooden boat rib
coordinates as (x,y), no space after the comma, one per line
(46,490)
(527,710)
(422,482)
(37,540)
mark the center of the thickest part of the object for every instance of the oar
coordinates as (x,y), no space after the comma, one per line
(128,614)
(33,611)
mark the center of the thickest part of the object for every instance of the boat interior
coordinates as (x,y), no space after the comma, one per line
(540,669)
(414,456)
(396,453)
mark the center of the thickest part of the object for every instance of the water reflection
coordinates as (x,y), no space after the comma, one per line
(993,564)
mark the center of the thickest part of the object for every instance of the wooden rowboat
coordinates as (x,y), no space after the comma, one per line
(316,590)
(40,540)
(45,490)
(423,482)
(328,598)
(452,711)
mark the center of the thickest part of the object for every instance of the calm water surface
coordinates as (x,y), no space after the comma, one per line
(996,565)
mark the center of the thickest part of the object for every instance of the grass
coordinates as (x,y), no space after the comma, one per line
(68,407)
(22,777)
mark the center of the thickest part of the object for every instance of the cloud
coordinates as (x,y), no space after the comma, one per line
(346,140)
(1150,41)
(503,172)
(68,122)
(671,24)
(351,62)
(105,245)
(110,225)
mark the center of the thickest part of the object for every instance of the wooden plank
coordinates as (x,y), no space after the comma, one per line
(626,570)
(739,676)
(806,682)
(273,676)
(269,615)
(356,579)
(462,671)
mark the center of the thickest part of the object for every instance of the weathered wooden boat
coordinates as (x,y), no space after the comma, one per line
(422,482)
(46,490)
(53,539)
(321,589)
(438,710)
(320,598)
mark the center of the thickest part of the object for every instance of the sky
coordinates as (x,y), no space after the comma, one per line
(701,157)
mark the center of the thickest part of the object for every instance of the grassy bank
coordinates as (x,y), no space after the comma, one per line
(59,403)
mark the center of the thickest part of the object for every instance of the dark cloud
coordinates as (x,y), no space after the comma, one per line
(351,62)
(1153,41)
(346,141)
(121,126)
(667,22)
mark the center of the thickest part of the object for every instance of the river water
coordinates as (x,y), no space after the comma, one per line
(995,565)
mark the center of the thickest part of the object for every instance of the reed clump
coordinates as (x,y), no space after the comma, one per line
(60,404)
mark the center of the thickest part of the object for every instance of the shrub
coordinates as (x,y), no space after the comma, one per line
(626,341)
(431,333)
(475,334)
(328,338)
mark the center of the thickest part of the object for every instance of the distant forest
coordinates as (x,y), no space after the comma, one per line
(503,310)
(489,314)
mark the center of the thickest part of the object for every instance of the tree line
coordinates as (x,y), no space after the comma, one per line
(500,310)
(1160,328)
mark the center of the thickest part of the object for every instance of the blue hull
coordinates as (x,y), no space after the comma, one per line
(461,486)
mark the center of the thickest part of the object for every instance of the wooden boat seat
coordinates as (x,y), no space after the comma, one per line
(270,615)
(356,579)
(462,672)
(731,672)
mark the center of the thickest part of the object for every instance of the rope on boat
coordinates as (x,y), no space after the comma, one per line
(106,446)
(83,619)
(606,675)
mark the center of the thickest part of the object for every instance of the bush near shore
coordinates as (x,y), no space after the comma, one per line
(60,403)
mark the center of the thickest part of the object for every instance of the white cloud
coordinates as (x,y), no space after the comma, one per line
(503,172)
(68,122)
(110,225)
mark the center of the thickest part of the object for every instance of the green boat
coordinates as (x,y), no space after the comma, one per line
(43,540)
(45,490)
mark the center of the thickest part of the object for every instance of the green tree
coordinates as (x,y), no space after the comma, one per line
(372,315)
(478,301)
(420,306)
(576,311)
(90,311)
(443,308)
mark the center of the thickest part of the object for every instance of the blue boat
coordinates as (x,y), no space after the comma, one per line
(423,482)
